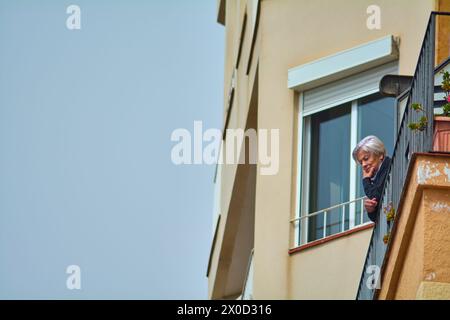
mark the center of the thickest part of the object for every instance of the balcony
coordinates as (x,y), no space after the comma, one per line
(412,147)
(350,219)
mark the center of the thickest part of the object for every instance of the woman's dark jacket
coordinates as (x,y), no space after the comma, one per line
(373,187)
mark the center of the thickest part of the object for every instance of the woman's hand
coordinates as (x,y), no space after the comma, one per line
(368,173)
(370,205)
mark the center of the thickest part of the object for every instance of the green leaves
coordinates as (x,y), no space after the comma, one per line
(446,82)
(417,107)
(446,109)
(389,211)
(423,121)
(420,126)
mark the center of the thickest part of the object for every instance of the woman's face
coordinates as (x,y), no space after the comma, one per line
(369,161)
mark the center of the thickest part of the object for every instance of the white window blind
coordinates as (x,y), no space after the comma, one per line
(346,89)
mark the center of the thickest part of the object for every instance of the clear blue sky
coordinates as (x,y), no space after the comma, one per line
(85,171)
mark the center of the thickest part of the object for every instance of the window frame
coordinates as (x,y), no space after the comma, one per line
(303,163)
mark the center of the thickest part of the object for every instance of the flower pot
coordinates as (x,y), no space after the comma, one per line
(441,136)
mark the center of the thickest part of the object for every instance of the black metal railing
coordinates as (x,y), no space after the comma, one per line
(408,142)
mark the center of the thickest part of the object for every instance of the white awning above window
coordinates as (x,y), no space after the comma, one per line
(343,64)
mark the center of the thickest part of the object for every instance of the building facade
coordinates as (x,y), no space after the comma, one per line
(312,71)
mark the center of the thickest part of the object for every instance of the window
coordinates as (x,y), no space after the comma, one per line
(330,170)
(376,116)
(339,104)
(332,180)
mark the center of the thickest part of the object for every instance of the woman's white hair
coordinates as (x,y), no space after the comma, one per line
(369,144)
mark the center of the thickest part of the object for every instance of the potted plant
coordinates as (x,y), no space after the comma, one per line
(441,135)
(423,121)
(389,211)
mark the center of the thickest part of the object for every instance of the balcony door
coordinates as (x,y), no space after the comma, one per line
(332,177)
(330,170)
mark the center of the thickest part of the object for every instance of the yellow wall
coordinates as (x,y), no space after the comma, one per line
(291,33)
(420,248)
(331,270)
(244,86)
(443,32)
(295,32)
(431,290)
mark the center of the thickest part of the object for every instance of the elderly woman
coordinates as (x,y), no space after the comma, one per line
(371,155)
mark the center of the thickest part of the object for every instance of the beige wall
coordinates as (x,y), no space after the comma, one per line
(331,270)
(291,33)
(413,259)
(431,290)
(245,85)
(428,255)
(420,247)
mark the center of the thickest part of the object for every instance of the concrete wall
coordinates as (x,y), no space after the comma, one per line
(223,278)
(291,33)
(420,246)
(331,270)
(294,32)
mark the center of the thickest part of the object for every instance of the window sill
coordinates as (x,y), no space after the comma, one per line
(331,238)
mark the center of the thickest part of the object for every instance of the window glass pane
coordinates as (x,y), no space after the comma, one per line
(375,117)
(330,157)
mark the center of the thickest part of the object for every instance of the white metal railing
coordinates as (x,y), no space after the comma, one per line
(352,205)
